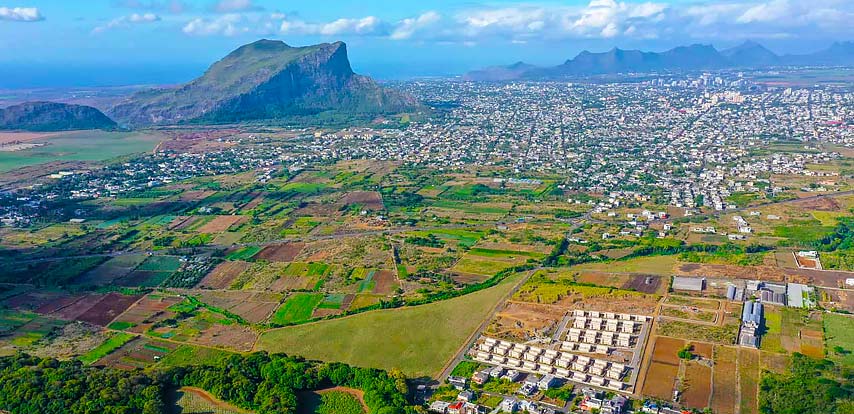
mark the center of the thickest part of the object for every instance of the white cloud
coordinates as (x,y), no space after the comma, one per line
(603,19)
(225,25)
(407,28)
(128,21)
(365,26)
(21,14)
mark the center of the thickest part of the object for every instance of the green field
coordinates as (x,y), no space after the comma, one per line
(111,344)
(169,264)
(244,253)
(80,146)
(839,332)
(772,337)
(479,266)
(297,308)
(658,265)
(332,301)
(338,402)
(419,340)
(191,355)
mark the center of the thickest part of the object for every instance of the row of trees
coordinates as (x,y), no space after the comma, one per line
(259,382)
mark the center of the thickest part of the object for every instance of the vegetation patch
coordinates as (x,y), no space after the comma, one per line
(111,344)
(417,339)
(296,308)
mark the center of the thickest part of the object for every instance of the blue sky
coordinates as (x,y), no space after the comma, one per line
(89,42)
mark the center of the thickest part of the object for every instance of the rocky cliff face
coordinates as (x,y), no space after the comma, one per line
(52,116)
(266,80)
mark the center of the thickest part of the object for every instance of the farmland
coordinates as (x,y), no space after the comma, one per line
(393,265)
(839,331)
(79,146)
(397,338)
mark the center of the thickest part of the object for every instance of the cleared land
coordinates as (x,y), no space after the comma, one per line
(725,386)
(81,146)
(191,400)
(839,331)
(418,340)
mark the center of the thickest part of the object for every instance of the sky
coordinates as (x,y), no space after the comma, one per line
(51,43)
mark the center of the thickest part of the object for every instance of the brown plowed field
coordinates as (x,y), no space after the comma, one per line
(220,224)
(386,282)
(105,310)
(725,388)
(237,337)
(281,252)
(149,308)
(638,283)
(369,200)
(223,275)
(659,380)
(78,308)
(254,307)
(666,350)
(698,378)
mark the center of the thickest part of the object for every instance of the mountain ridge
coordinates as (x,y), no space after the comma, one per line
(266,79)
(681,58)
(43,116)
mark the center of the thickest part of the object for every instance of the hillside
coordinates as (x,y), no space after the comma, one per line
(266,80)
(52,116)
(683,58)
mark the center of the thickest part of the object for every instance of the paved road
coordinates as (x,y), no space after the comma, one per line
(461,353)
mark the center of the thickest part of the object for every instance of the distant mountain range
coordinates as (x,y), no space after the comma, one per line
(52,116)
(683,58)
(266,79)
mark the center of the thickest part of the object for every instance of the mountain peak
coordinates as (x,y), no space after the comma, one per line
(266,79)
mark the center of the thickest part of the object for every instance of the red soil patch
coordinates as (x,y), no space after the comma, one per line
(369,200)
(223,275)
(281,252)
(659,380)
(79,307)
(286,283)
(110,306)
(468,278)
(320,313)
(148,310)
(385,282)
(639,283)
(220,224)
(57,304)
(237,337)
(666,350)
(699,380)
(702,349)
(195,195)
(820,204)
(254,307)
(35,301)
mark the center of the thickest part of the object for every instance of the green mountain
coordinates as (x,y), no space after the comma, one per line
(266,79)
(52,116)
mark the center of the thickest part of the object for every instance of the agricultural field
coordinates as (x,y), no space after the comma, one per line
(663,368)
(80,146)
(401,338)
(839,336)
(190,400)
(296,308)
(725,385)
(563,291)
